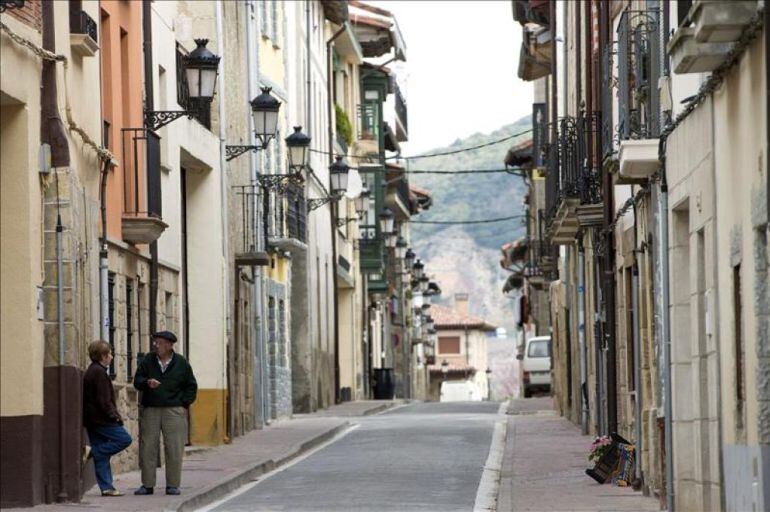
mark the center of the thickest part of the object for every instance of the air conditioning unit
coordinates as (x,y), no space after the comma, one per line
(690,56)
(721,21)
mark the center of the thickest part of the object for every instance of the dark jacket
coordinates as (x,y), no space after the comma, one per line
(177,385)
(99,398)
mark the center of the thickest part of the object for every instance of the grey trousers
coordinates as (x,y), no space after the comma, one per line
(172,422)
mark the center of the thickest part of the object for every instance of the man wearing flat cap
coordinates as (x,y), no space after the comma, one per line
(168,388)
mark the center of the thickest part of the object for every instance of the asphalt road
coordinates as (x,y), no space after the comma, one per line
(426,456)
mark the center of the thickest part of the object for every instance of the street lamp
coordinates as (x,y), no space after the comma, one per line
(418,268)
(200,72)
(429,323)
(390,240)
(298,145)
(361,203)
(401,248)
(200,68)
(339,172)
(386,220)
(423,281)
(409,258)
(444,368)
(264,110)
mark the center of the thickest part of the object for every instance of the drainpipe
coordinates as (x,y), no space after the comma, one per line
(223,195)
(637,367)
(149,104)
(104,328)
(581,284)
(333,217)
(52,132)
(666,333)
(258,296)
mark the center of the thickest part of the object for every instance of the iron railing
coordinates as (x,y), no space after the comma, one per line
(250,240)
(296,213)
(607,142)
(82,23)
(136,142)
(589,183)
(285,213)
(638,72)
(401,110)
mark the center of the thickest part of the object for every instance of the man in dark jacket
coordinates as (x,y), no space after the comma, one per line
(168,388)
(100,416)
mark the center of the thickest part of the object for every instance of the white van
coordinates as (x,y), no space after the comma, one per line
(536,365)
(459,391)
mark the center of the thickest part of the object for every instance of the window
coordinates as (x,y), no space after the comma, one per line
(449,345)
(539,348)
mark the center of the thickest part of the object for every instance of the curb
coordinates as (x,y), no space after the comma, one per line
(221,488)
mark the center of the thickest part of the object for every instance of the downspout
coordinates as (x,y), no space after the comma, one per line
(333,217)
(223,196)
(637,368)
(581,285)
(104,328)
(258,287)
(149,105)
(52,133)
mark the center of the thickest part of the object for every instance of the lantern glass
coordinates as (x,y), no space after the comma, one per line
(298,145)
(386,220)
(360,203)
(418,269)
(339,172)
(409,259)
(200,68)
(400,248)
(424,284)
(390,240)
(264,109)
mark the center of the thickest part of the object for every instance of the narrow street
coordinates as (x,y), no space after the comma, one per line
(426,456)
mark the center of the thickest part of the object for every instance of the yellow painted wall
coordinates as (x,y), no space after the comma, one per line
(208,420)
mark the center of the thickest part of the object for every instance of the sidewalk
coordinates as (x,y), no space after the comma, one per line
(352,409)
(210,473)
(544,467)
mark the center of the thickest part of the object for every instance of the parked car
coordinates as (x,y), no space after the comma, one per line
(536,365)
(459,391)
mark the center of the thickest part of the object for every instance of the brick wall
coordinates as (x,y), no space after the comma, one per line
(31,14)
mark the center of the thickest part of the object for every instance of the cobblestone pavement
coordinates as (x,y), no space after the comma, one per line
(544,466)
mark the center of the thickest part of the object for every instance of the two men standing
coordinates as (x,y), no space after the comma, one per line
(168,387)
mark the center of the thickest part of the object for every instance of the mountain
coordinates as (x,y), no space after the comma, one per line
(465,258)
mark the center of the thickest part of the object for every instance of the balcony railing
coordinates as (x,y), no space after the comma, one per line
(638,72)
(401,114)
(249,249)
(82,23)
(368,122)
(285,215)
(607,133)
(589,182)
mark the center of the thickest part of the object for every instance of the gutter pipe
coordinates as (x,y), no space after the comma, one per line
(333,216)
(581,278)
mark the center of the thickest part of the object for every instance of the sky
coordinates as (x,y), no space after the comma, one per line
(462,58)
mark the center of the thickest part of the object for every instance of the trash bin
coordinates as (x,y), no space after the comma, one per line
(384,384)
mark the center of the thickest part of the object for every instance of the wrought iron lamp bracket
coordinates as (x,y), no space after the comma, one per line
(156,119)
(315,203)
(343,221)
(232,152)
(278,182)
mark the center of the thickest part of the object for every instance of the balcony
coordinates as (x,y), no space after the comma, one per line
(536,53)
(402,124)
(638,96)
(141,221)
(249,249)
(286,218)
(565,158)
(397,192)
(83,32)
(369,127)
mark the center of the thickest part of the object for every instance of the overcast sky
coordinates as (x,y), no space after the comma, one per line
(462,58)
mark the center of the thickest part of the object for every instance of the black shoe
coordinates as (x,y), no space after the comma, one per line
(174,491)
(143,491)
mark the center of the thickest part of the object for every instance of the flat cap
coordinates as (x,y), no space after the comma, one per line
(166,335)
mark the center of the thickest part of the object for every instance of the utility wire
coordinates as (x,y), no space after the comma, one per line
(459,222)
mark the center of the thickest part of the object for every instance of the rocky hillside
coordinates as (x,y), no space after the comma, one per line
(465,258)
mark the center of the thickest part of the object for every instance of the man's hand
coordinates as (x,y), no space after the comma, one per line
(152,383)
